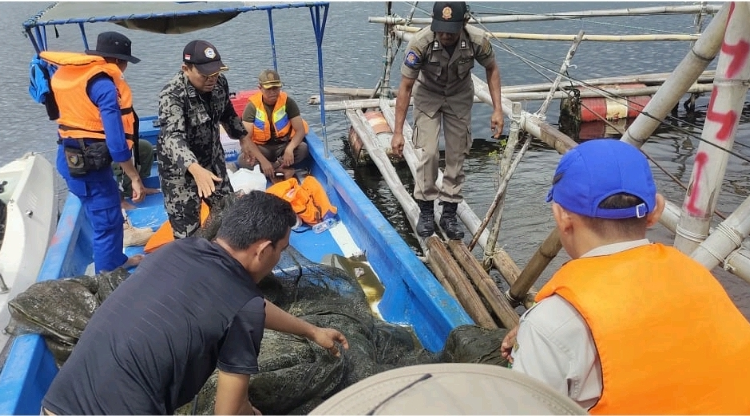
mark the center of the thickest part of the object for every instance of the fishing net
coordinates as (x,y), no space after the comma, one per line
(473,344)
(60,309)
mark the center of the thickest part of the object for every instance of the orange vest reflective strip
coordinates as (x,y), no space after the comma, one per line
(669,338)
(79,117)
(279,117)
(308,199)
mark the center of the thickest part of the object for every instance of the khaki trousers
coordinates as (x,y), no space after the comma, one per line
(457,132)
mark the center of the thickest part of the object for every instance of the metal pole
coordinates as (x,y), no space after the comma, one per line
(722,118)
(83,36)
(273,40)
(319,28)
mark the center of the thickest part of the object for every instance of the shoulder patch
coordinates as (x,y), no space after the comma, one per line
(411,60)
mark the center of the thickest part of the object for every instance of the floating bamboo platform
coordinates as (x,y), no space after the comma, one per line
(463,275)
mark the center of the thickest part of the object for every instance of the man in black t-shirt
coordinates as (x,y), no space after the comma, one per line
(189,308)
(276,127)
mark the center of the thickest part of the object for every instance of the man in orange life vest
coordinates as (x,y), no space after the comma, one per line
(276,127)
(628,326)
(96,114)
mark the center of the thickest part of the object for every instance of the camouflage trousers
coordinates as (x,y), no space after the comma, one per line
(146,157)
(183,205)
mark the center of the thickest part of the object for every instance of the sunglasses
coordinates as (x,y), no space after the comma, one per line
(211,76)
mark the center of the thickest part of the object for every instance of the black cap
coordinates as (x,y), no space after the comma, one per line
(204,56)
(448,16)
(113,45)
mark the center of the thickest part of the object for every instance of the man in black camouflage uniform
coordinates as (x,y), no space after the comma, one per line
(191,159)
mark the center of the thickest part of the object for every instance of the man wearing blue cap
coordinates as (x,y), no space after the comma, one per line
(627,326)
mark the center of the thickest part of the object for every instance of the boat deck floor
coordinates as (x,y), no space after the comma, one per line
(315,246)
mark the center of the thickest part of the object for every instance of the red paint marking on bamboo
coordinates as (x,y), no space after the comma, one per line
(727,120)
(701,159)
(739,51)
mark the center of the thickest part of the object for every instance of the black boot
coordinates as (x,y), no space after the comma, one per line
(448,221)
(426,223)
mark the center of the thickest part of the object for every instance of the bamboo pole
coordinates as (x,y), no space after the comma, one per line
(647,79)
(571,38)
(638,11)
(563,69)
(738,263)
(465,293)
(379,157)
(440,275)
(523,96)
(726,238)
(539,261)
(385,81)
(722,118)
(506,172)
(685,74)
(487,287)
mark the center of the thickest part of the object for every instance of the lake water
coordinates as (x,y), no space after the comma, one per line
(353,55)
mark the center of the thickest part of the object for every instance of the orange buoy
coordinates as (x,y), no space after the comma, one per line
(383,134)
(607,108)
(377,122)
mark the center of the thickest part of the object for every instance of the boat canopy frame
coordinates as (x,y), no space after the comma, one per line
(173,18)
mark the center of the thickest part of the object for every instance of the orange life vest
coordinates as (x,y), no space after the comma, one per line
(165,234)
(279,117)
(79,117)
(669,338)
(308,199)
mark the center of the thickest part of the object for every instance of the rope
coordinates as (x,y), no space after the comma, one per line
(689,235)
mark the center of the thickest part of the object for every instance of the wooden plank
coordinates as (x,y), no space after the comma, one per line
(465,293)
(487,287)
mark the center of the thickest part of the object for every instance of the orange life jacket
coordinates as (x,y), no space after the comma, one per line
(280,119)
(165,234)
(308,199)
(79,117)
(669,338)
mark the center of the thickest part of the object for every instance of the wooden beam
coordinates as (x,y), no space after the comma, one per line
(487,287)
(466,295)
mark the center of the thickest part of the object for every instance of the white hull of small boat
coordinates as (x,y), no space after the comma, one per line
(28,191)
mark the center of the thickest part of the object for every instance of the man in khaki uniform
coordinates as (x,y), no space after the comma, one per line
(438,61)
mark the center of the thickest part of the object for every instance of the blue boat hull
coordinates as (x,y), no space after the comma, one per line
(412,295)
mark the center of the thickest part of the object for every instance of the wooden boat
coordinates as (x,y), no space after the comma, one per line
(412,295)
(29,219)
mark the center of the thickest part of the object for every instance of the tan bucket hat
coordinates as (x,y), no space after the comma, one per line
(442,389)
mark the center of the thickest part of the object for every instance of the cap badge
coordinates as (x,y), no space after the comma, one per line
(186,57)
(447,13)
(209,52)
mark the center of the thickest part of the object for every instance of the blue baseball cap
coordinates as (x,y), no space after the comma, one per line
(597,169)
